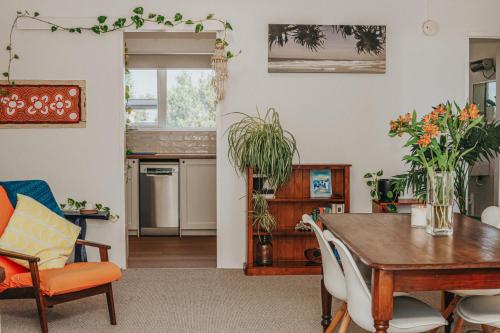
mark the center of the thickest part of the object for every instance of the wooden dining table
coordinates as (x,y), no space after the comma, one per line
(407,259)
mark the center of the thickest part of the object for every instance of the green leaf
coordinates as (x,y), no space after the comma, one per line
(8,48)
(390,195)
(96,29)
(104,28)
(198,28)
(367,175)
(16,56)
(138,10)
(229,54)
(177,17)
(36,14)
(151,15)
(380,173)
(101,19)
(71,30)
(228,26)
(369,183)
(160,19)
(189,22)
(119,23)
(53,28)
(169,23)
(5,74)
(210,16)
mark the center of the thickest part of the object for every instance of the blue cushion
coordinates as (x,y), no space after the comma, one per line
(38,190)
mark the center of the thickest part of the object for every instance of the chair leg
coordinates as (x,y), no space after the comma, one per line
(485,328)
(336,318)
(40,304)
(40,301)
(458,325)
(451,307)
(345,323)
(111,305)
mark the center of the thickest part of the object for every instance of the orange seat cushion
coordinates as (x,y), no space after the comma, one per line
(10,267)
(73,277)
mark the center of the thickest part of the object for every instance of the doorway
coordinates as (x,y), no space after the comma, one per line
(171,150)
(483,88)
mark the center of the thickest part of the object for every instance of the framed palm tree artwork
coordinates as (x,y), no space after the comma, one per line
(300,48)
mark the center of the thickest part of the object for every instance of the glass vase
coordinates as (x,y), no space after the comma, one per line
(440,190)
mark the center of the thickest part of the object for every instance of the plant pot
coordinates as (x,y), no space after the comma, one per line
(264,253)
(386,191)
(440,188)
(86,211)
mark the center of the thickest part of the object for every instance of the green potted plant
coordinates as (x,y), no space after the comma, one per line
(260,143)
(383,190)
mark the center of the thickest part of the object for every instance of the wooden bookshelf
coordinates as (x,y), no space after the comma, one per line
(290,202)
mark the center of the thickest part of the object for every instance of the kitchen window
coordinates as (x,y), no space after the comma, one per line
(170,98)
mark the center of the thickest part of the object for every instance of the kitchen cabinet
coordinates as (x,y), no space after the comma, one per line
(198,208)
(132,196)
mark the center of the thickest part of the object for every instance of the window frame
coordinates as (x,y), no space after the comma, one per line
(161,87)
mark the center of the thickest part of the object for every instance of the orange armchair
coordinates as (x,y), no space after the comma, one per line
(74,281)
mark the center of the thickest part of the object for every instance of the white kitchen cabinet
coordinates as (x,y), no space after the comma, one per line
(132,196)
(198,196)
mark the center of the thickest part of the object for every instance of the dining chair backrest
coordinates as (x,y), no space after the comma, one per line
(491,216)
(332,272)
(359,300)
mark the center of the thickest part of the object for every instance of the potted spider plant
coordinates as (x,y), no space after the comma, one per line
(259,142)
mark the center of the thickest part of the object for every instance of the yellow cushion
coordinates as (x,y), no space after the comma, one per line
(35,230)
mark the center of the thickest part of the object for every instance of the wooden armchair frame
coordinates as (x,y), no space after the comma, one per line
(44,301)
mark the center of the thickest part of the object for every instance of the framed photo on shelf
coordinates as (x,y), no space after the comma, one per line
(321,183)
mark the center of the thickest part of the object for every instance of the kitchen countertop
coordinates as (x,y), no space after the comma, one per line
(170,156)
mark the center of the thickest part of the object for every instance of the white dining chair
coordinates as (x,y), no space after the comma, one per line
(333,277)
(481,310)
(490,216)
(409,314)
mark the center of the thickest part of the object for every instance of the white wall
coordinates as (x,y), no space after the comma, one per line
(336,118)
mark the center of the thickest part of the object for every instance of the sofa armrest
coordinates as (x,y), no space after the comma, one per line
(103,248)
(17,255)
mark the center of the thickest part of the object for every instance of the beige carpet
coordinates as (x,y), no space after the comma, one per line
(187,300)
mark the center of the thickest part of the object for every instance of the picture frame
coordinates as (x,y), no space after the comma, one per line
(314,48)
(320,183)
(43,104)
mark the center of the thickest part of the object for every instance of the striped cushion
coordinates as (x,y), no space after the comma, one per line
(35,230)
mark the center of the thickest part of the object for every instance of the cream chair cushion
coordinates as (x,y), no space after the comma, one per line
(35,230)
(480,310)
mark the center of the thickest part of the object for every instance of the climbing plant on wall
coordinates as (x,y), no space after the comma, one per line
(136,20)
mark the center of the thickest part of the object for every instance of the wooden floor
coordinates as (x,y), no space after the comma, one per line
(172,252)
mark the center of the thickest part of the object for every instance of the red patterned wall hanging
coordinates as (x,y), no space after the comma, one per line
(42,104)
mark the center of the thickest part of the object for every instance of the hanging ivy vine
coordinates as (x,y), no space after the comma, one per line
(103,26)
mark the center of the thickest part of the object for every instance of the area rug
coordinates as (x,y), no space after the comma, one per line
(188,300)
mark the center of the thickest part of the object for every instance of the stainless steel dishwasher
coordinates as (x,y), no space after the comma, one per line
(159,199)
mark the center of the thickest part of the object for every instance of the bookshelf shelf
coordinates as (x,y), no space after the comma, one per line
(291,201)
(325,200)
(285,232)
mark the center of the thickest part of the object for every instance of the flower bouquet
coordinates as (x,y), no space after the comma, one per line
(435,145)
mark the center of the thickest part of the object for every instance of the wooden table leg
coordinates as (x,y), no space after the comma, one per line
(382,299)
(326,306)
